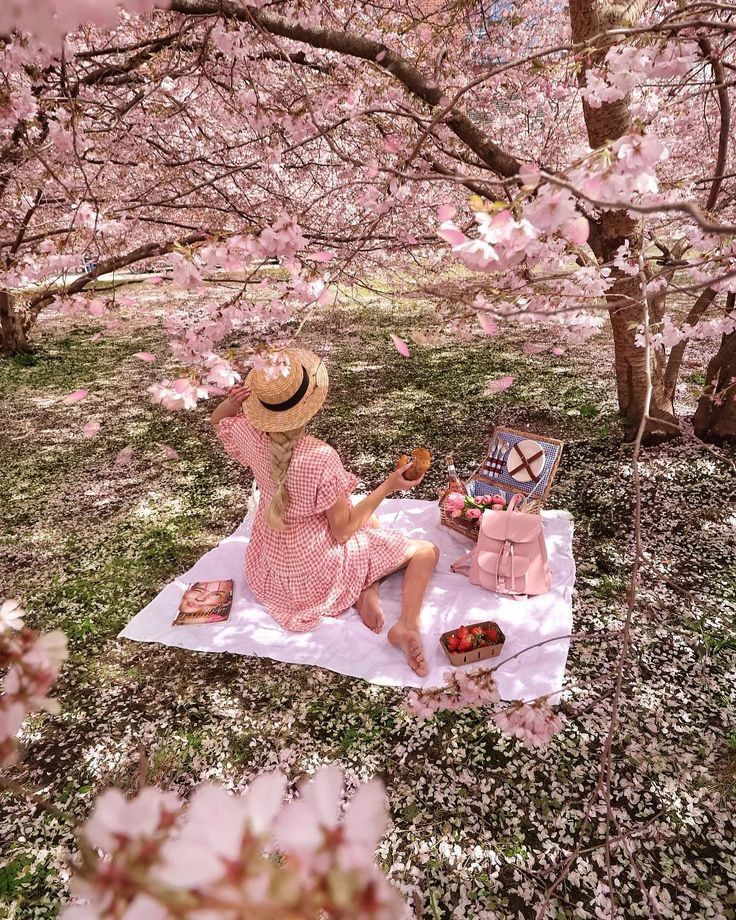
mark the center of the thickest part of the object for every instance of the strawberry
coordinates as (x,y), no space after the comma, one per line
(452,643)
(465,644)
(462,632)
(476,630)
(492,635)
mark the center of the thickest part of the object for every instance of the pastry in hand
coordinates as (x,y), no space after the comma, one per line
(420,460)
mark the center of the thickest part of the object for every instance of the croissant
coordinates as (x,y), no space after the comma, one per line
(420,460)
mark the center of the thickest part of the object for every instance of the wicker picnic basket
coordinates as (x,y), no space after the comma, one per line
(516,463)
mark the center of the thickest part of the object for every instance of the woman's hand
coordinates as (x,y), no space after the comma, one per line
(238,395)
(231,405)
(396,482)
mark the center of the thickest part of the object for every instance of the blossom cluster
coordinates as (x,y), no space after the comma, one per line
(531,242)
(231,856)
(48,20)
(462,689)
(625,66)
(33,662)
(533,723)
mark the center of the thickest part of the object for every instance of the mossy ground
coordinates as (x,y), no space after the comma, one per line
(87,543)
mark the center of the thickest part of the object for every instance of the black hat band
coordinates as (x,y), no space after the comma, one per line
(292,400)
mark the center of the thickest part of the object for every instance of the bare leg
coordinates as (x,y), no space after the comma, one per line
(369,608)
(405,634)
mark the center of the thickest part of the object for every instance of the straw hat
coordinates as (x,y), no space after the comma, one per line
(287,403)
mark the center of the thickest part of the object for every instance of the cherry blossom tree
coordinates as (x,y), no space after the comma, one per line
(542,151)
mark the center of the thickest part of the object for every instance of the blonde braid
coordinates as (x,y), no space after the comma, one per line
(282,448)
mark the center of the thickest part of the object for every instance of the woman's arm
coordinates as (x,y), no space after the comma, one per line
(230,406)
(346,519)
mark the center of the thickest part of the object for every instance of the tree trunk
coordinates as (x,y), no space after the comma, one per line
(13,332)
(626,309)
(626,312)
(715,417)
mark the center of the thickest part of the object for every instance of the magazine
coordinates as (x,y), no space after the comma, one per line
(205,602)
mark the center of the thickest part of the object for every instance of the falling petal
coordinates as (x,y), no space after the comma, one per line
(446,212)
(125,456)
(488,324)
(76,396)
(529,348)
(96,337)
(155,279)
(144,356)
(558,352)
(452,234)
(497,386)
(576,230)
(168,452)
(323,256)
(400,345)
(91,429)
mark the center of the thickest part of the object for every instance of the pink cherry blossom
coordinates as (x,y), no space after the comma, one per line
(96,307)
(11,615)
(76,396)
(400,345)
(177,395)
(91,429)
(117,819)
(144,356)
(488,324)
(497,386)
(168,452)
(124,457)
(534,724)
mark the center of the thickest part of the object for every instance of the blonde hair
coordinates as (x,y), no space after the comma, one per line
(282,448)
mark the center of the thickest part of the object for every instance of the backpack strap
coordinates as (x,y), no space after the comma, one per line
(515,501)
(462,563)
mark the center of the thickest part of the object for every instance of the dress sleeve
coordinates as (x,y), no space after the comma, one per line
(334,482)
(236,434)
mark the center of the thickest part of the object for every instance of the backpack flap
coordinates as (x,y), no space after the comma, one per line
(506,564)
(511,525)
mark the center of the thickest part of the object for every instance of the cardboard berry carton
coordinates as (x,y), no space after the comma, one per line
(476,642)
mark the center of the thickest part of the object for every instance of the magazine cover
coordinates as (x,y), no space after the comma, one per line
(205,602)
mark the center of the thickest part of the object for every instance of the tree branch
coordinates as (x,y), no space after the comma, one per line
(725,106)
(501,162)
(146,251)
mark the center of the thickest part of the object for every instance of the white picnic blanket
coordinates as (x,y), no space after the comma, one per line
(344,645)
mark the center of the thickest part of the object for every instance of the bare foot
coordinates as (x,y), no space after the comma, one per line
(410,643)
(369,608)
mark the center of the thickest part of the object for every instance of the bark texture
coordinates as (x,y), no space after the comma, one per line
(715,417)
(13,331)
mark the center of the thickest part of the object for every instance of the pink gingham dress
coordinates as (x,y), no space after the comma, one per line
(301,574)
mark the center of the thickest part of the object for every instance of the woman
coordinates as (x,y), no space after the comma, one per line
(312,553)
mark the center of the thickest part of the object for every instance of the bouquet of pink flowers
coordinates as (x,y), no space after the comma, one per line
(462,505)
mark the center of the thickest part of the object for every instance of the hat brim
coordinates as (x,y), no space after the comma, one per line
(290,419)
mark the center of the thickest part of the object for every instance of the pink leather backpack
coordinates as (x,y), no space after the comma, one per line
(510,556)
